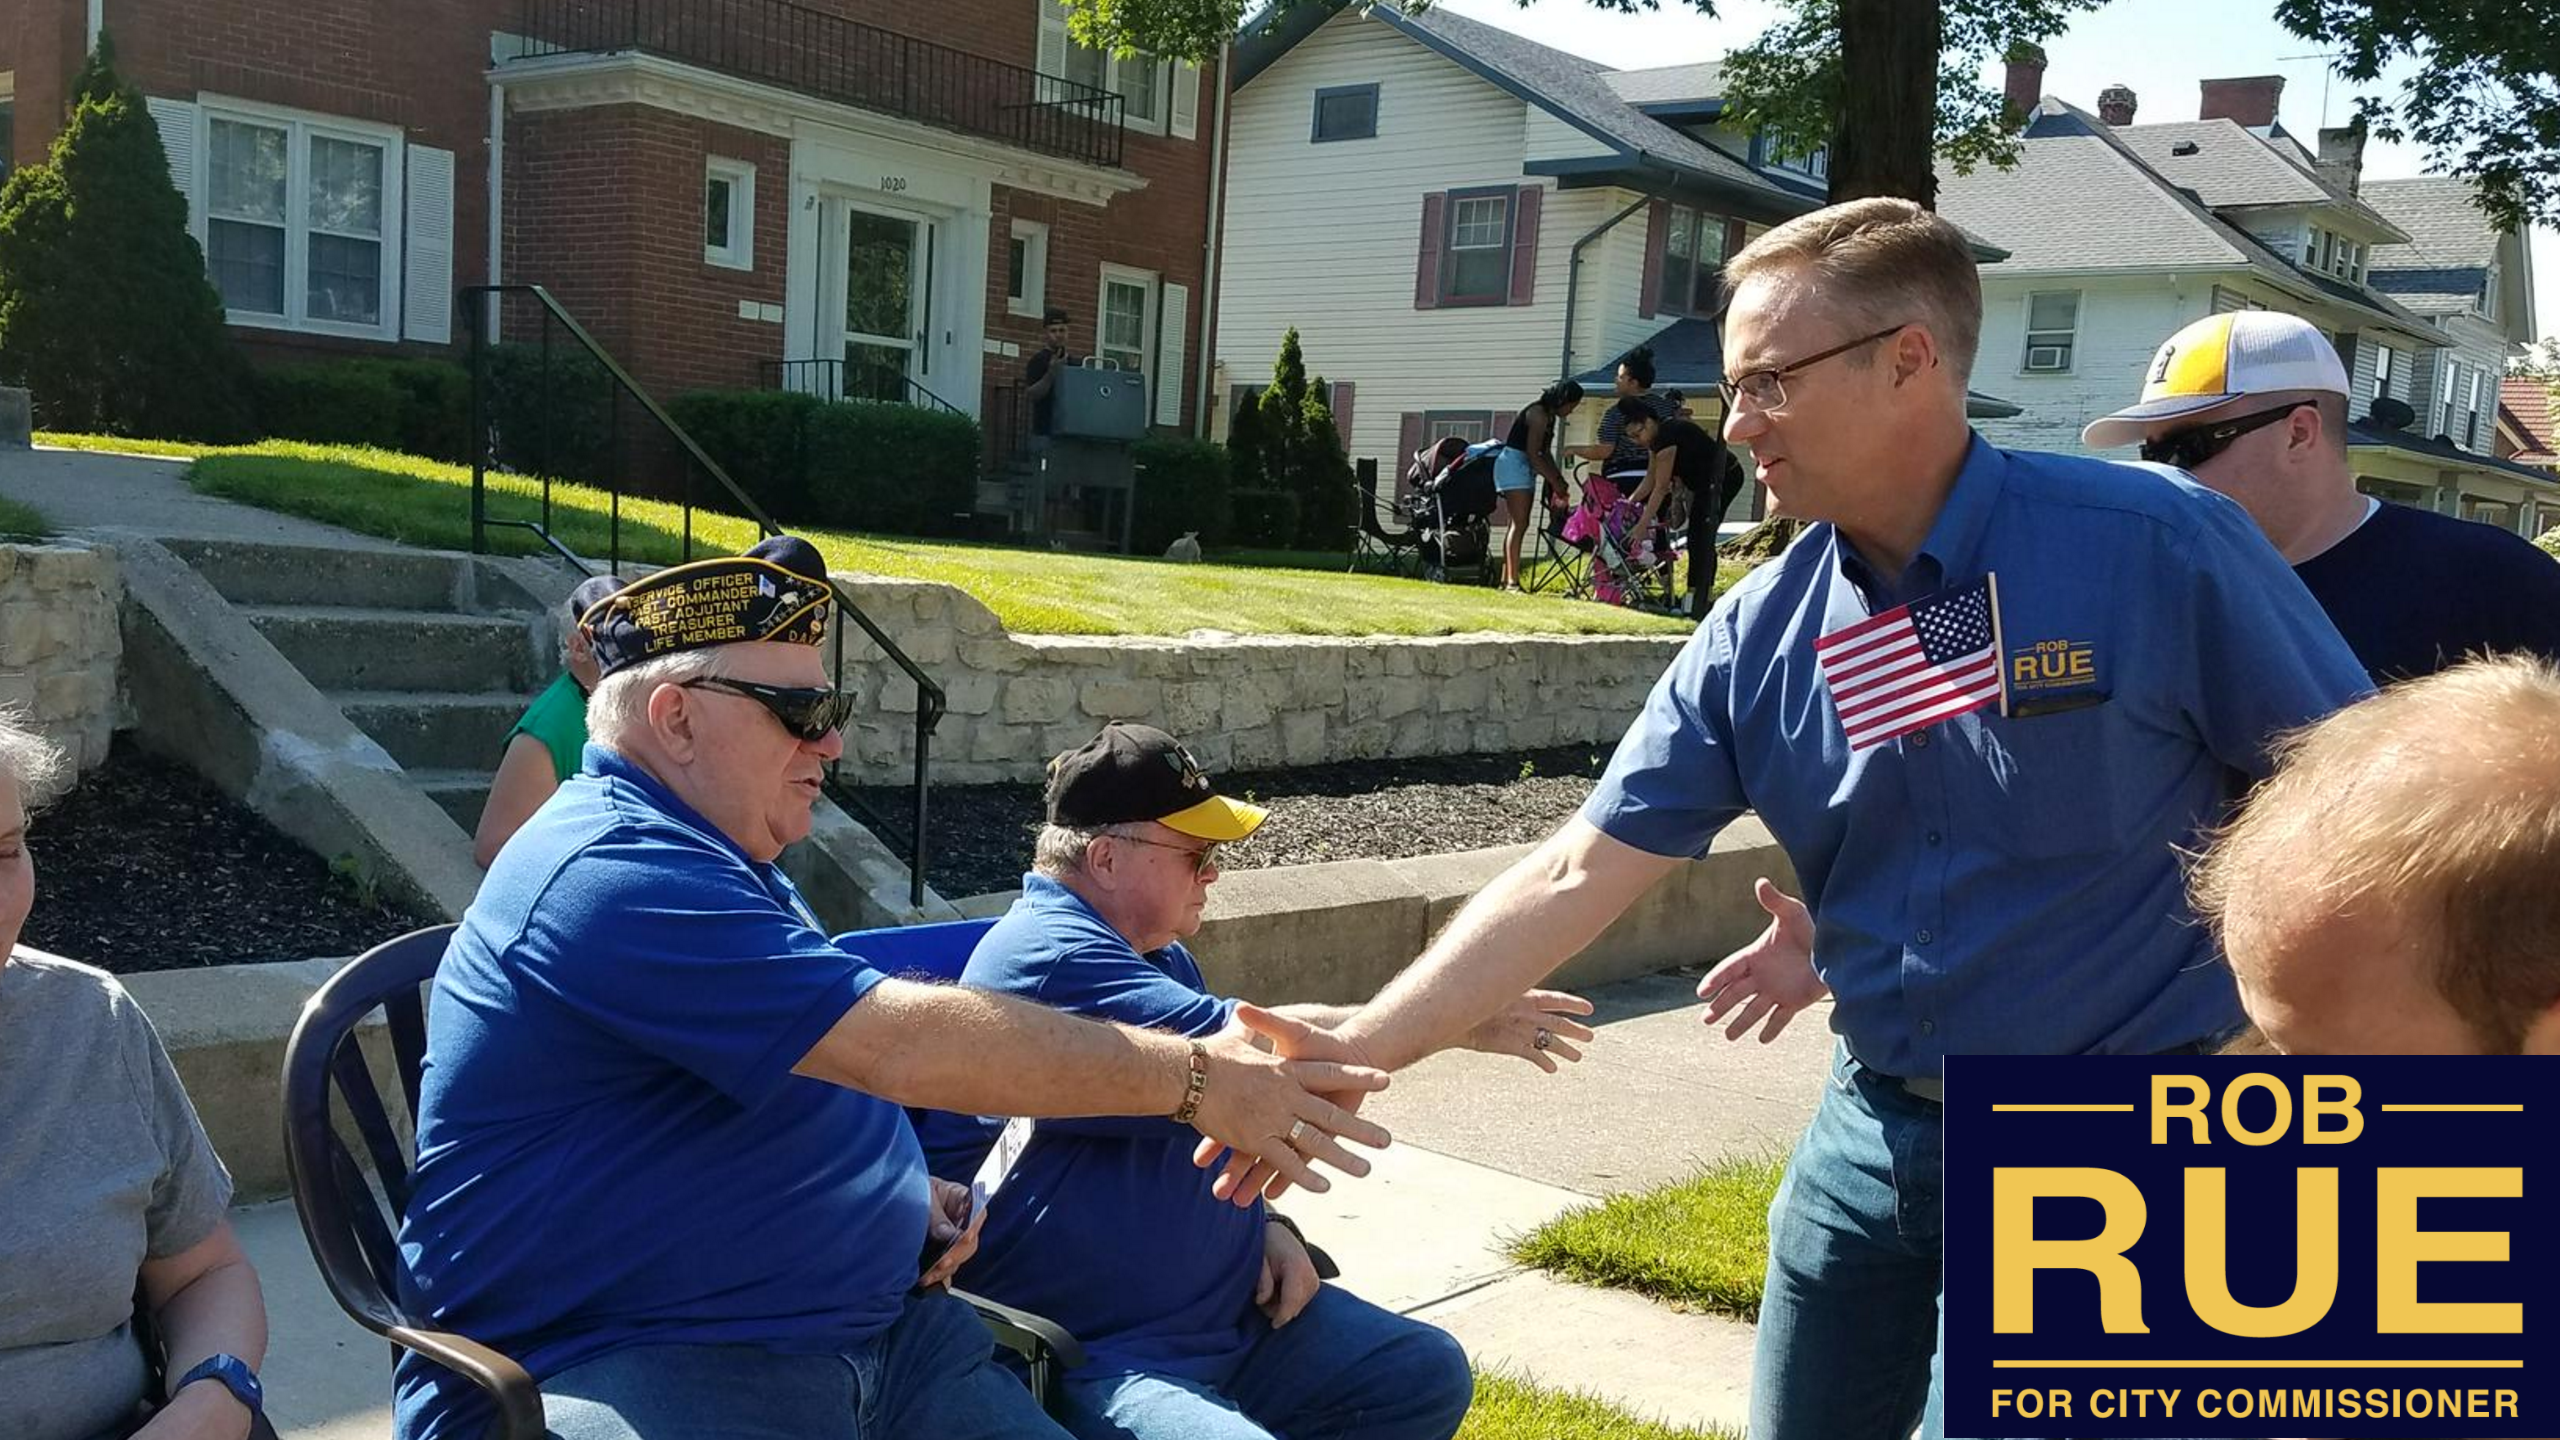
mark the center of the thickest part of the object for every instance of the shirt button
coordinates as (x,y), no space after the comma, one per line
(1933,837)
(1920,741)
(1923,937)
(1928,1027)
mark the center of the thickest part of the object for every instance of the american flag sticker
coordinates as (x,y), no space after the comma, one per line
(1914,665)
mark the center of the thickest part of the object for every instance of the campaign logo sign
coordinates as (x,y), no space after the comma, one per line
(2252,1246)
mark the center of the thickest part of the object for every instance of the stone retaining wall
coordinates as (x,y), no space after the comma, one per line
(1242,702)
(60,643)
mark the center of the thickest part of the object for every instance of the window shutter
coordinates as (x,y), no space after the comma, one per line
(1657,233)
(177,122)
(1408,440)
(1052,62)
(1175,308)
(1524,245)
(1340,399)
(426,306)
(1426,274)
(1186,100)
(1497,423)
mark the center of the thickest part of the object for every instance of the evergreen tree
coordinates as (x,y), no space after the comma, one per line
(105,312)
(1247,468)
(1324,475)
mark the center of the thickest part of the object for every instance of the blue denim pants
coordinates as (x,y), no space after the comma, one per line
(931,1373)
(1342,1370)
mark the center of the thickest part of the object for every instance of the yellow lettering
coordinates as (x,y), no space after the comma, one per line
(2017,1255)
(2083,664)
(2400,1247)
(2315,1283)
(2191,1110)
(2315,1089)
(2022,667)
(2257,1080)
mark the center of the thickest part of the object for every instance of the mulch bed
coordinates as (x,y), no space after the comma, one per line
(1353,810)
(146,866)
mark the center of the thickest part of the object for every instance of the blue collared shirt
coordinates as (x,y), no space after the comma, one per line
(2002,884)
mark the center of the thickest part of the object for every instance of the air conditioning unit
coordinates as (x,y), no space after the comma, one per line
(2048,357)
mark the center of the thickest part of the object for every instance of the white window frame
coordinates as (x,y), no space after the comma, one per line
(2450,372)
(2068,343)
(1053,16)
(1146,280)
(2471,414)
(2488,306)
(740,252)
(1034,299)
(2382,356)
(300,126)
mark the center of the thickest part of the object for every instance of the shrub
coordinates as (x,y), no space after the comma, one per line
(2550,542)
(855,464)
(417,407)
(1182,488)
(1264,519)
(551,416)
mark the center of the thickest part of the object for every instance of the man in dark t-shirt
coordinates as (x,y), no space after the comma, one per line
(1040,372)
(1619,455)
(2254,404)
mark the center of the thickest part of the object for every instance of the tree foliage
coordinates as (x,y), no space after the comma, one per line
(105,313)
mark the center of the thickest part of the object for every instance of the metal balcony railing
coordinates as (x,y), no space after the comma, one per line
(828,56)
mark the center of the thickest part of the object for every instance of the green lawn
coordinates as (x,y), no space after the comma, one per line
(18,522)
(124,445)
(1700,1243)
(424,502)
(1509,1408)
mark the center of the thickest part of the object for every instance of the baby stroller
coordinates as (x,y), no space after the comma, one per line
(1626,569)
(1452,501)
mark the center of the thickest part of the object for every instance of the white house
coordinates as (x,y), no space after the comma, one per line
(2120,233)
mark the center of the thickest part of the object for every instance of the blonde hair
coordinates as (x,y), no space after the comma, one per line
(2436,802)
(1879,262)
(32,763)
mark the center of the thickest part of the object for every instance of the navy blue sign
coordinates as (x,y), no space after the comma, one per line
(2258,1246)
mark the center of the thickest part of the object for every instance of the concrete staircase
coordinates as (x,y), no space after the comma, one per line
(432,655)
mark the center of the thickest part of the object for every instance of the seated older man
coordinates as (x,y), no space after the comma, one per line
(661,1159)
(1200,1320)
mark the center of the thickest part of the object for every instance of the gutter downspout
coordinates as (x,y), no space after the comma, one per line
(1214,246)
(497,199)
(1573,275)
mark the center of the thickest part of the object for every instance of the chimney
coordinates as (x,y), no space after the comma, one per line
(2115,105)
(2342,157)
(2249,100)
(2026,80)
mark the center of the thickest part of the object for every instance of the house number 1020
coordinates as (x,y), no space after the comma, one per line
(893,183)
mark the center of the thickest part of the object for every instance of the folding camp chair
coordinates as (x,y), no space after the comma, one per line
(1380,529)
(352,1222)
(1552,563)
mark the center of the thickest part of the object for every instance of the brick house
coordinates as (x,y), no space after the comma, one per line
(714,188)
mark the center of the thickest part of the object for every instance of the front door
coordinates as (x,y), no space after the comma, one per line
(887,304)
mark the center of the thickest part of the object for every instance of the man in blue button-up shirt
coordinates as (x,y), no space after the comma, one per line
(2004,880)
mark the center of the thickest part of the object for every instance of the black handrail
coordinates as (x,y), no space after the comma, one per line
(930,701)
(834,58)
(824,378)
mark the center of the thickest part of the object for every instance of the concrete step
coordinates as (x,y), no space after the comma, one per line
(436,730)
(253,573)
(462,793)
(347,648)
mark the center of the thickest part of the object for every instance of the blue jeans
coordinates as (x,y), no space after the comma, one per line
(931,1373)
(1343,1370)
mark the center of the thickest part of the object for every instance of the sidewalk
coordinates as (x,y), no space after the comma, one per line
(1485,1148)
(85,490)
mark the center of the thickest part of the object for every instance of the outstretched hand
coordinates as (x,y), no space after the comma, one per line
(1773,976)
(1538,1027)
(1283,1109)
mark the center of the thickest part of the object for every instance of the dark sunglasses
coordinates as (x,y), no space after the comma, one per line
(2190,448)
(808,712)
(1201,858)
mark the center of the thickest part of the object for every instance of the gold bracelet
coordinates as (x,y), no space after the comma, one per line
(1194,1087)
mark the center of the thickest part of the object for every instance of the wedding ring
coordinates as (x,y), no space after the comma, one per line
(1297,1136)
(1542,1039)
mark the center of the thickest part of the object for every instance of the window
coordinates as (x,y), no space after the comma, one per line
(2445,395)
(8,135)
(1693,255)
(2382,360)
(1139,80)
(2053,326)
(1816,166)
(2471,416)
(2488,304)
(729,214)
(1027,269)
(1128,318)
(1476,267)
(296,221)
(1346,112)
(1472,426)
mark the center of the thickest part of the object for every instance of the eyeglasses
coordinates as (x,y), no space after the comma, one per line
(1201,858)
(2191,447)
(808,712)
(1768,389)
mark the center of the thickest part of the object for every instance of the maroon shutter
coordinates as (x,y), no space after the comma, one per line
(1524,245)
(1657,232)
(1498,423)
(1341,401)
(1426,274)
(1408,440)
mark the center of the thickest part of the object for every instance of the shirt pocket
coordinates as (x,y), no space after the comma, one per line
(2053,783)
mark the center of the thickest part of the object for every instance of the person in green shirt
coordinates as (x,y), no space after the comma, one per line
(546,744)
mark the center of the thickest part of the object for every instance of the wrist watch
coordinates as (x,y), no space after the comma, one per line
(234,1374)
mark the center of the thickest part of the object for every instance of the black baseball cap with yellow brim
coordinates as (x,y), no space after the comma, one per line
(1134,773)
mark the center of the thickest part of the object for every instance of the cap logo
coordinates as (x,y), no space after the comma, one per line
(2160,372)
(1193,778)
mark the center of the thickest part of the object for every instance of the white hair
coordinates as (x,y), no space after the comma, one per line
(1059,850)
(619,708)
(33,764)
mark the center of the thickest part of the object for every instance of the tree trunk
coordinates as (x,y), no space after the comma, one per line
(1888,101)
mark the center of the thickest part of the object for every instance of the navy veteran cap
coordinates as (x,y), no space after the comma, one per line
(777,591)
(1130,773)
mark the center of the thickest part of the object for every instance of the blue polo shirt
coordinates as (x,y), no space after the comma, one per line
(612,1149)
(1105,1225)
(1991,884)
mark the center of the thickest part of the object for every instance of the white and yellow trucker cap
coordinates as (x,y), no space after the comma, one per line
(2219,359)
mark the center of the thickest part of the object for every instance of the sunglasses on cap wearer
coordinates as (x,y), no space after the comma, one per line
(808,712)
(2193,446)
(1201,858)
